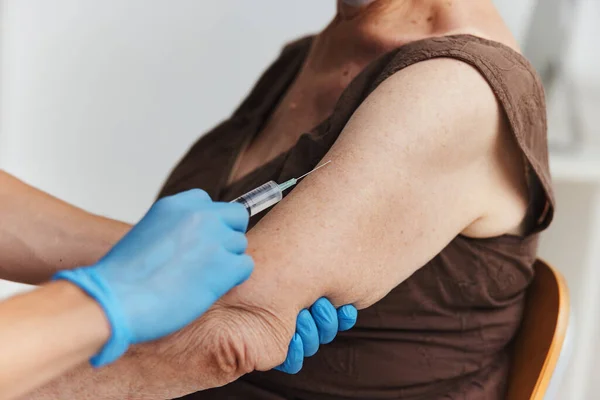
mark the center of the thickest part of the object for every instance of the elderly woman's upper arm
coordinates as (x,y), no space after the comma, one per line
(410,171)
(406,177)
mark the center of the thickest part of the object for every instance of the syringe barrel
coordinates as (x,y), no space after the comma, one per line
(261,198)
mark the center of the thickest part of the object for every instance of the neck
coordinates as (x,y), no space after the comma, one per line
(372,24)
(395,17)
(351,8)
(364,29)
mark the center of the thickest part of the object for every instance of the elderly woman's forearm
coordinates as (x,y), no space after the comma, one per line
(139,375)
(215,350)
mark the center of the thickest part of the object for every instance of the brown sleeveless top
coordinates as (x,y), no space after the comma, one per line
(443,333)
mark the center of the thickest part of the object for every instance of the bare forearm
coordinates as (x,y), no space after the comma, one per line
(117,381)
(46,332)
(207,354)
(40,234)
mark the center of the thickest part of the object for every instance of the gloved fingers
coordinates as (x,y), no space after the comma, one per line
(325,316)
(236,242)
(347,316)
(307,329)
(295,357)
(234,215)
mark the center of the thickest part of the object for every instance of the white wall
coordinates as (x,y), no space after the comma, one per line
(516,14)
(100,98)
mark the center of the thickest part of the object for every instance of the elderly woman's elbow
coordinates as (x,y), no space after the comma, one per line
(231,341)
(232,356)
(250,339)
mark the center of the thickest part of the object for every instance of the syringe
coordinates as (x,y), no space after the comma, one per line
(269,194)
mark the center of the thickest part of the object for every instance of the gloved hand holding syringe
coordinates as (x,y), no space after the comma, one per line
(269,194)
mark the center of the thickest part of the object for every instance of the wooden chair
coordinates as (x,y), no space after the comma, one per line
(539,342)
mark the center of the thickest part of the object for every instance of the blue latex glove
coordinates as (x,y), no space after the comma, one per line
(320,325)
(169,269)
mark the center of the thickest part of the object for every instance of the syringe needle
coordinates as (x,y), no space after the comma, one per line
(310,172)
(291,182)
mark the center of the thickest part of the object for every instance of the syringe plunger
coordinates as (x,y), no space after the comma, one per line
(261,198)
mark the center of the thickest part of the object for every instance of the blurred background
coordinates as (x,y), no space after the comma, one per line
(99,99)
